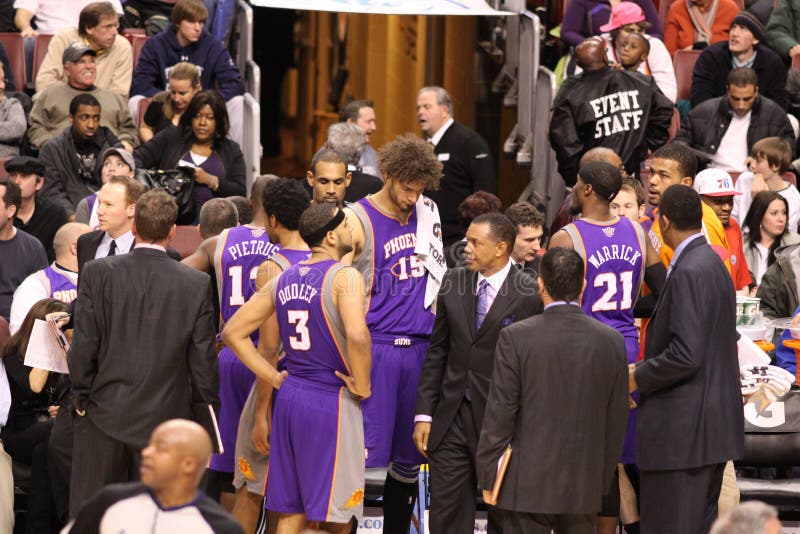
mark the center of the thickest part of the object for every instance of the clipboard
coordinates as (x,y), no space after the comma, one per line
(502,466)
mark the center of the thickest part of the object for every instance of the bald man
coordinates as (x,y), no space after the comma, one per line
(604,107)
(167,499)
(58,280)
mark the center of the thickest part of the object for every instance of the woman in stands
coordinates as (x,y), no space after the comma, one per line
(583,18)
(199,142)
(12,121)
(35,395)
(166,108)
(766,233)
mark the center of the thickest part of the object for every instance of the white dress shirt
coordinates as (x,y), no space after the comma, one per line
(435,138)
(124,244)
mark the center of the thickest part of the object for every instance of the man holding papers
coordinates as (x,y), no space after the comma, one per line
(561,403)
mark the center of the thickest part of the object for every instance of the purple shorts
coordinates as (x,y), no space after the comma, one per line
(235,381)
(316,464)
(389,412)
(628,455)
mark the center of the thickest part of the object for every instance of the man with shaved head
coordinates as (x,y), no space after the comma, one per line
(167,498)
(58,280)
(604,107)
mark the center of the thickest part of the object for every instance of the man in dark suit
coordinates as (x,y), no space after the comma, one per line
(561,403)
(690,418)
(455,380)
(143,352)
(468,163)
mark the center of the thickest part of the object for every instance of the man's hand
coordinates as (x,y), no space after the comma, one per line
(422,431)
(127,146)
(30,32)
(350,382)
(487,498)
(277,381)
(632,378)
(53,411)
(261,435)
(793,51)
(759,184)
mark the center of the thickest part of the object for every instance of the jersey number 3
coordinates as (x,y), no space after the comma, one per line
(609,280)
(299,318)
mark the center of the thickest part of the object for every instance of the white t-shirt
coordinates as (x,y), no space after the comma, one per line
(763,254)
(732,150)
(741,203)
(52,16)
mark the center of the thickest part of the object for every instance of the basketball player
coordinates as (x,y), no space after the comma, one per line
(616,253)
(385,231)
(234,255)
(328,178)
(317,442)
(284,200)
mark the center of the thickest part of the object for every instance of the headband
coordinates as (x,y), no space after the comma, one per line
(317,235)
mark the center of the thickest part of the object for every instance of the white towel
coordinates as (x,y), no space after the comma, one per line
(430,249)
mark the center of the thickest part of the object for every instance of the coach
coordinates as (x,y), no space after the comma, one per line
(143,351)
(474,304)
(690,419)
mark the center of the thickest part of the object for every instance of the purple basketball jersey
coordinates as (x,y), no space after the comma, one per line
(394,276)
(613,255)
(240,250)
(61,286)
(311,329)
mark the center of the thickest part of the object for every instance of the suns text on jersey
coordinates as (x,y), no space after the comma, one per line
(401,242)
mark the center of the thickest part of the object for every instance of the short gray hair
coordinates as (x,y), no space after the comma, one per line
(749,517)
(348,140)
(442,96)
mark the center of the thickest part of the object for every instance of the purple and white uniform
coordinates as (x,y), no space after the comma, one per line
(401,327)
(614,256)
(61,285)
(240,250)
(317,440)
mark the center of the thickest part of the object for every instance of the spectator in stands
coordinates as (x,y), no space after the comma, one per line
(49,115)
(627,18)
(22,254)
(584,18)
(199,142)
(166,107)
(115,162)
(34,395)
(630,202)
(477,203)
(97,29)
(742,49)
(362,114)
(617,109)
(769,160)
(349,140)
(766,234)
(783,28)
(12,121)
(38,217)
(751,517)
(48,18)
(185,40)
(150,15)
(215,216)
(696,24)
(724,129)
(72,158)
(59,280)
(528,249)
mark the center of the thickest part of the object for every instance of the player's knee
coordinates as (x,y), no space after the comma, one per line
(404,473)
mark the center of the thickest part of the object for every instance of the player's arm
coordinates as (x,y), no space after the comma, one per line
(561,239)
(268,347)
(655,274)
(202,259)
(350,294)
(357,230)
(246,320)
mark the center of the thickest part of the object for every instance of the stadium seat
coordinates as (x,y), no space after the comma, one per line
(663,10)
(14,44)
(186,240)
(137,43)
(39,52)
(674,125)
(684,61)
(3,173)
(796,62)
(142,107)
(130,33)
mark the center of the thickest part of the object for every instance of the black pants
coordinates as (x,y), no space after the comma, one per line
(59,461)
(454,483)
(98,460)
(523,523)
(680,500)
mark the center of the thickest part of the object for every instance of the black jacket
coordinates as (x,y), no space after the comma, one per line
(166,149)
(617,109)
(710,75)
(62,183)
(706,124)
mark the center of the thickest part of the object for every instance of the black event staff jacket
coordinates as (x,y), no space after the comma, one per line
(617,109)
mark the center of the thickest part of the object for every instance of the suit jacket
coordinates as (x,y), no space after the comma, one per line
(88,243)
(143,350)
(458,356)
(690,410)
(559,396)
(468,167)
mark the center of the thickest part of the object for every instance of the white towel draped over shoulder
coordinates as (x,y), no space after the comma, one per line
(430,249)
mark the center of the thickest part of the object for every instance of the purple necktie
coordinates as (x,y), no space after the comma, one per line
(482,306)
